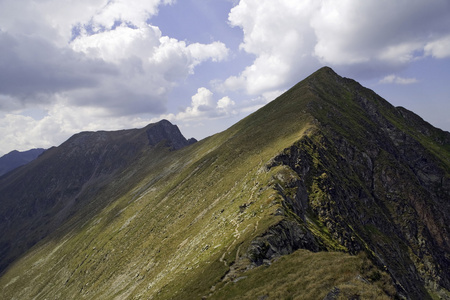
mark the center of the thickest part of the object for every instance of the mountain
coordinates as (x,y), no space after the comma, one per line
(65,180)
(327,192)
(16,159)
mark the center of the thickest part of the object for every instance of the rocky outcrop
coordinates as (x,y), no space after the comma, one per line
(140,221)
(375,187)
(360,213)
(281,239)
(364,179)
(169,133)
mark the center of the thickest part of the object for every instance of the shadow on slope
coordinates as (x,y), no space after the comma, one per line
(77,179)
(327,156)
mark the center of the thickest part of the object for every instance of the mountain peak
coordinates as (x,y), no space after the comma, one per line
(323,74)
(168,132)
(326,70)
(326,170)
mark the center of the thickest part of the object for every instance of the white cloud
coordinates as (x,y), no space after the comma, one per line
(150,64)
(225,103)
(134,11)
(398,80)
(203,106)
(202,101)
(293,38)
(176,59)
(119,44)
(374,32)
(439,48)
(61,121)
(55,19)
(128,70)
(90,65)
(278,33)
(32,69)
(216,51)
(101,55)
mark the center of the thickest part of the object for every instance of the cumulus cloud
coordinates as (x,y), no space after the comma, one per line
(439,48)
(289,38)
(150,64)
(113,53)
(279,35)
(32,68)
(88,56)
(135,12)
(101,58)
(57,20)
(398,80)
(203,106)
(388,32)
(61,120)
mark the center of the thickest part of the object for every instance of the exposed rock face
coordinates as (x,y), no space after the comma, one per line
(329,167)
(374,187)
(281,239)
(14,159)
(380,191)
(166,131)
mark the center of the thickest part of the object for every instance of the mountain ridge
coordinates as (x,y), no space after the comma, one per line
(325,170)
(15,159)
(85,162)
(408,147)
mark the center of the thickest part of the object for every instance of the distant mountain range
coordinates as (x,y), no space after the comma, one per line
(327,192)
(16,159)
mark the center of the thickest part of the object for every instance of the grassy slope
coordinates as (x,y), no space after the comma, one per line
(36,199)
(180,221)
(307,275)
(181,224)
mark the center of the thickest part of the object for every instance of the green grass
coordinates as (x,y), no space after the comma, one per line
(307,275)
(179,226)
(171,224)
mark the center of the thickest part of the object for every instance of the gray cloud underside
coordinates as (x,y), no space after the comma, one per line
(31,66)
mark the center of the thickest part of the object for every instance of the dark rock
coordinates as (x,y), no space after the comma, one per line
(365,176)
(164,131)
(333,294)
(191,141)
(374,185)
(281,239)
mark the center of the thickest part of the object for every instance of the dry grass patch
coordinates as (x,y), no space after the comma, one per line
(307,275)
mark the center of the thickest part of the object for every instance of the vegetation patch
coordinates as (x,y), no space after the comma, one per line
(307,275)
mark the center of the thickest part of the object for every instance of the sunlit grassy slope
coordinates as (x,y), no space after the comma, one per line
(179,220)
(307,275)
(177,229)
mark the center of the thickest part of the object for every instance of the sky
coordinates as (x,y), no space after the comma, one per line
(69,66)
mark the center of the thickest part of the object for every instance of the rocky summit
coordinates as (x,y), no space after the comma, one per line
(327,192)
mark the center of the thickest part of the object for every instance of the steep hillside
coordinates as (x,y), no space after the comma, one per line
(16,159)
(74,178)
(327,192)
